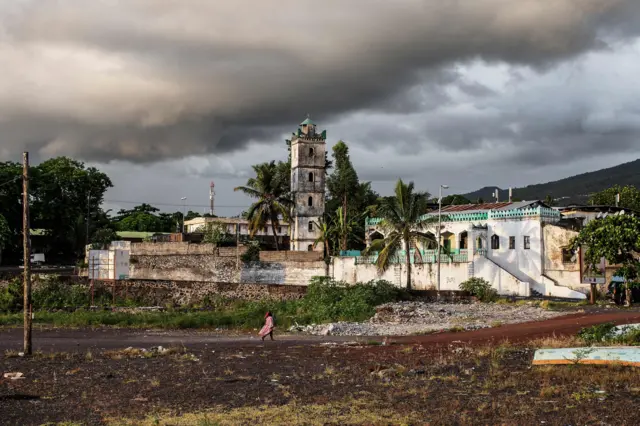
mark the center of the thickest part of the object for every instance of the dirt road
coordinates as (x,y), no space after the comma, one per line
(564,325)
(109,338)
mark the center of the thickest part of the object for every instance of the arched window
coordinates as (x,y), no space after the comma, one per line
(310,152)
(310,226)
(310,247)
(495,242)
(310,202)
(310,176)
(463,240)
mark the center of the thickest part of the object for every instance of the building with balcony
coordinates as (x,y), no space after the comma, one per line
(516,246)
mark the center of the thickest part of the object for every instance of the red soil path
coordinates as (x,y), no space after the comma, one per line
(515,333)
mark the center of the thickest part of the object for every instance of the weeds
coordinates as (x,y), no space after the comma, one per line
(326,301)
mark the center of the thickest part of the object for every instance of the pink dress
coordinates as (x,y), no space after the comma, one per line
(268,327)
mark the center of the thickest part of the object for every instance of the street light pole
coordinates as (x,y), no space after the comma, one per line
(184,211)
(439,226)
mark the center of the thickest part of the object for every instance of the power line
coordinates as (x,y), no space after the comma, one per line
(170,204)
(11,181)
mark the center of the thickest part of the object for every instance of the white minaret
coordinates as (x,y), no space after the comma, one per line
(307,184)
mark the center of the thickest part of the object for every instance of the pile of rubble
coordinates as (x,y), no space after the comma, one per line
(405,318)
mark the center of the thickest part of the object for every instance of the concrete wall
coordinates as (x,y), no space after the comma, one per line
(500,279)
(567,274)
(204,263)
(423,276)
(524,264)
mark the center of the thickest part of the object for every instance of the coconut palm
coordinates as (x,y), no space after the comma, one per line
(402,224)
(272,202)
(325,234)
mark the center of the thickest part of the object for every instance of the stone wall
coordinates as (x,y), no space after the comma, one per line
(183,248)
(163,292)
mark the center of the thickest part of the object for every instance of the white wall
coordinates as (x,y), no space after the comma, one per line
(526,265)
(423,276)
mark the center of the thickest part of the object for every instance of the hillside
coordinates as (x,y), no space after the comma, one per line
(574,189)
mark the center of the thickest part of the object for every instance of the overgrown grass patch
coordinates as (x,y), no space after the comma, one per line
(326,300)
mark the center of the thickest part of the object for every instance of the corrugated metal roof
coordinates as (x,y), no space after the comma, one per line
(474,207)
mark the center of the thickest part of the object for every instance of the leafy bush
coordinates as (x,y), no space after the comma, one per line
(597,333)
(604,333)
(252,254)
(480,288)
(12,296)
(330,300)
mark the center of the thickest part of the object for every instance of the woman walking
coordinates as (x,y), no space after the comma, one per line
(267,330)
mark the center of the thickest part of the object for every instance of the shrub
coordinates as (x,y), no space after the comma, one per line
(480,288)
(597,333)
(12,296)
(604,333)
(55,294)
(252,254)
(331,300)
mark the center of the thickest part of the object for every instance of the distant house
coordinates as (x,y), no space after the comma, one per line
(231,224)
(137,237)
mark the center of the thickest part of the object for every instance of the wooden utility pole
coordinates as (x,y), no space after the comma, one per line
(26,230)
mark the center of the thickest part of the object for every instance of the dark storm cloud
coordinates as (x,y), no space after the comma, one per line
(145,80)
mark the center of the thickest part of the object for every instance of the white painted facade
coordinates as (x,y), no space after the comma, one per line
(504,245)
(112,264)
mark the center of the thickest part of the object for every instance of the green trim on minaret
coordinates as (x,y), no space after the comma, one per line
(307,122)
(324,135)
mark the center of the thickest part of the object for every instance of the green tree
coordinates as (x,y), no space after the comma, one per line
(549,200)
(216,233)
(64,195)
(454,200)
(343,183)
(140,222)
(344,227)
(102,237)
(402,224)
(5,235)
(629,197)
(617,239)
(272,202)
(11,207)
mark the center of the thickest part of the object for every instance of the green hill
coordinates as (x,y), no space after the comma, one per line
(571,190)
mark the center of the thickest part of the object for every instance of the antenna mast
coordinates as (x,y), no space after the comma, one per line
(212,194)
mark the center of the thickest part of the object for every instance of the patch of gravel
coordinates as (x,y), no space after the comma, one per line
(406,318)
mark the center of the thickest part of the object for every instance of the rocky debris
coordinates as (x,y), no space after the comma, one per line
(405,318)
(14,376)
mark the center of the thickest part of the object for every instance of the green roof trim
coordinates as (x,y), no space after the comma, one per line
(308,121)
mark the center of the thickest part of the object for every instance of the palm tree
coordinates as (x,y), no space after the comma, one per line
(344,226)
(402,223)
(325,234)
(272,200)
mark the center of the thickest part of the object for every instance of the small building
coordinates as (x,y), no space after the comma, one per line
(241,226)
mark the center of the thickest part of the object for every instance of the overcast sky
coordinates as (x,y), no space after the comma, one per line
(165,96)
